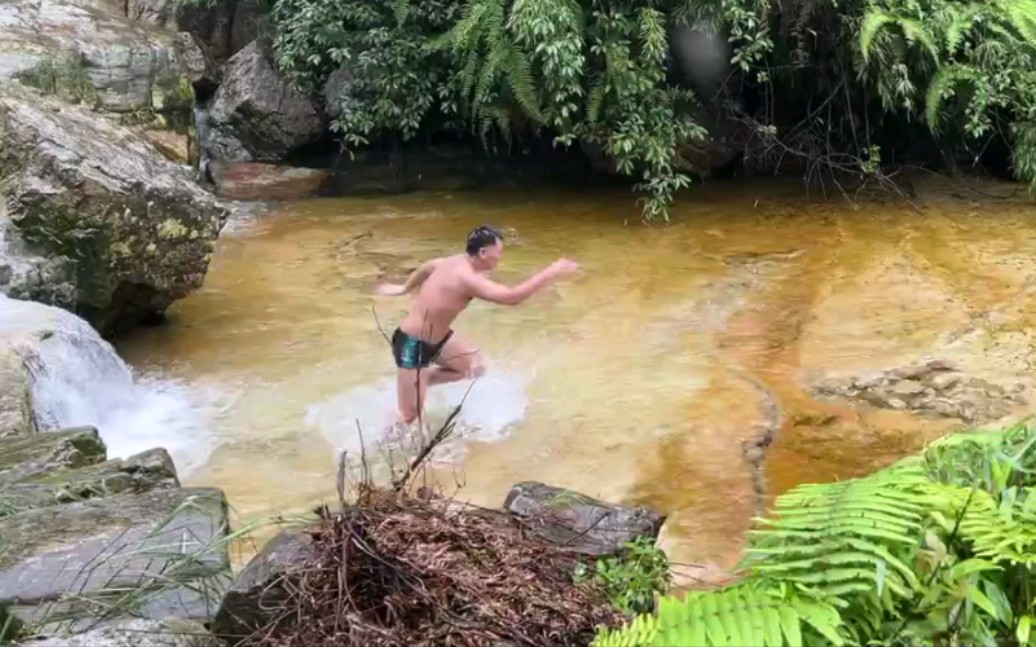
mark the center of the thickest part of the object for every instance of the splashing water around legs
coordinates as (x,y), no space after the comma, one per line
(357,420)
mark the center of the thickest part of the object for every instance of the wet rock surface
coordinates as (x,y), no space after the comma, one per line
(130,230)
(935,388)
(583,524)
(134,633)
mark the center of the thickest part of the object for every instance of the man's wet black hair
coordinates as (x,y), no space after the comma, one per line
(482,236)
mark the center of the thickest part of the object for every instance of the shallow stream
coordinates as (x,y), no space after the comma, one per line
(640,381)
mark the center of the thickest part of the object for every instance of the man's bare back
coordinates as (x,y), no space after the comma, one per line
(445,287)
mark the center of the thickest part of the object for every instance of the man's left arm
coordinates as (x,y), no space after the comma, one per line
(414,281)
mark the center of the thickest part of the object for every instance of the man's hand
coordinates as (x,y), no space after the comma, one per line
(563,266)
(390,289)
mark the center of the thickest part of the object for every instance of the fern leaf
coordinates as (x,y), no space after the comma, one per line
(400,11)
(872,24)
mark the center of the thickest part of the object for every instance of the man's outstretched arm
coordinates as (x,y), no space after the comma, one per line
(414,281)
(487,290)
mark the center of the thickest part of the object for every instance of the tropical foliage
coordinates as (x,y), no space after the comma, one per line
(937,549)
(631,578)
(828,82)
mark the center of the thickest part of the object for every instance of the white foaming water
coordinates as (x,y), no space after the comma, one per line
(78,379)
(495,402)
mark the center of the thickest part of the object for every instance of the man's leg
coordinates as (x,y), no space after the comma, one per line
(411,385)
(459,360)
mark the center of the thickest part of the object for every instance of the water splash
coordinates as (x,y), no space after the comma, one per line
(492,405)
(78,379)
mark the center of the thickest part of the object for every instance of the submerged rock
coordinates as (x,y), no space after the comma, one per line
(257,114)
(578,522)
(129,230)
(258,594)
(935,388)
(253,181)
(133,633)
(156,555)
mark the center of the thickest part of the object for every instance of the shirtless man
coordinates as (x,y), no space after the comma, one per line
(445,287)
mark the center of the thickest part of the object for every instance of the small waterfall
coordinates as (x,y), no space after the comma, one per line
(78,379)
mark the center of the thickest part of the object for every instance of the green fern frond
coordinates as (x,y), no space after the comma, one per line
(733,617)
(522,84)
(872,24)
(940,88)
(1022,16)
(914,30)
(400,11)
(1002,531)
(593,108)
(961,22)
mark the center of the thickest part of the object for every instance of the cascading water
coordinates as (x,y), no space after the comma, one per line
(78,379)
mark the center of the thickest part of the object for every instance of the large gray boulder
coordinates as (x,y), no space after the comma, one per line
(577,522)
(86,54)
(121,231)
(156,555)
(257,114)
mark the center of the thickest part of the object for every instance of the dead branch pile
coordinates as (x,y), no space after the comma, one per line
(398,570)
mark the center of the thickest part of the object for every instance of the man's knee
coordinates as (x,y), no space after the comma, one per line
(476,370)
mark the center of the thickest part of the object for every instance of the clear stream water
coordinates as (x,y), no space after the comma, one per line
(637,382)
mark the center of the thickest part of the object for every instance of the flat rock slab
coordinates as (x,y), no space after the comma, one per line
(580,523)
(255,181)
(67,565)
(25,457)
(133,633)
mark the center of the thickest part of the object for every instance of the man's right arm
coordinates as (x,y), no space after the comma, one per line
(489,290)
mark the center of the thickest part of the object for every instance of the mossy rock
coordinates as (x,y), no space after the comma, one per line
(26,457)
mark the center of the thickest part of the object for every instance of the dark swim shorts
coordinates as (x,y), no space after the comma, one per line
(412,352)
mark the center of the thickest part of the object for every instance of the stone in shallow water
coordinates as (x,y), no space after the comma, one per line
(254,181)
(581,523)
(66,564)
(935,387)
